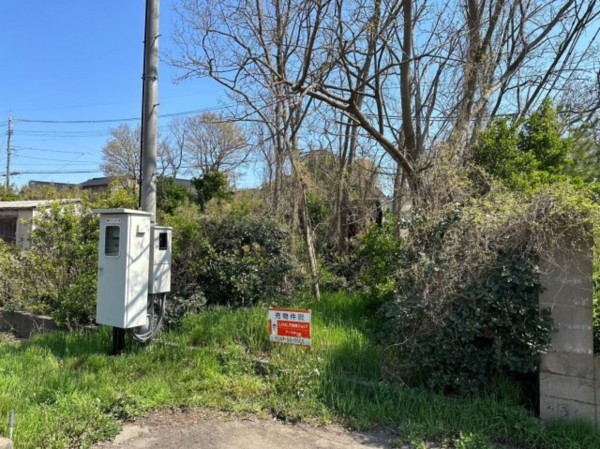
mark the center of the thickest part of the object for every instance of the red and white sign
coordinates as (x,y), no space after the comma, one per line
(290,326)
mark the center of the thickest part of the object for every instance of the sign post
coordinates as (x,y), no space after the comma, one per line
(290,326)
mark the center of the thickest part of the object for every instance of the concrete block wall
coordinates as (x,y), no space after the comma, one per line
(25,325)
(569,372)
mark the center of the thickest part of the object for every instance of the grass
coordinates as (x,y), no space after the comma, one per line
(66,391)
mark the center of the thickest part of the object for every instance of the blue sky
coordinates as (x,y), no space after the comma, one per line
(65,60)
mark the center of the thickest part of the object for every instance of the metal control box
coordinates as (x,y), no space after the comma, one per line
(123,266)
(160,260)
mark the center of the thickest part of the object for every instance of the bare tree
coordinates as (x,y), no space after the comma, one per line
(249,47)
(121,154)
(213,143)
(171,150)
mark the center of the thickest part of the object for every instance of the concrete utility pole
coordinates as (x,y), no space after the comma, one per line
(150,109)
(8,151)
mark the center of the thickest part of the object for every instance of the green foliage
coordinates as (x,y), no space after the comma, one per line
(246,260)
(68,392)
(230,260)
(170,195)
(318,210)
(379,250)
(493,326)
(58,275)
(525,155)
(472,441)
(48,192)
(497,150)
(541,137)
(585,153)
(116,196)
(465,282)
(8,194)
(65,242)
(212,184)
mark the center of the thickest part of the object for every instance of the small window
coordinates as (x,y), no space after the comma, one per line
(112,240)
(163,241)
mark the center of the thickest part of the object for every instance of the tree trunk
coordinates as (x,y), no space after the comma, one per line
(307,232)
(310,246)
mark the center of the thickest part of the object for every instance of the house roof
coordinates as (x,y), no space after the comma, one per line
(95,182)
(33,204)
(182,182)
(57,185)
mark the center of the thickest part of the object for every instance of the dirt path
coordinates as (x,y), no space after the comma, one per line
(202,429)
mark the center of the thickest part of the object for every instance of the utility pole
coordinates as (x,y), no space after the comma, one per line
(8,151)
(148,140)
(150,110)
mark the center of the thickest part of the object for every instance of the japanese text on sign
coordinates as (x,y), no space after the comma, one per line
(290,326)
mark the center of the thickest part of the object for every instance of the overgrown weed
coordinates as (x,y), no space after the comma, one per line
(67,392)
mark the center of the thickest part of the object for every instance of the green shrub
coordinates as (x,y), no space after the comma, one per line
(526,154)
(170,195)
(248,260)
(466,286)
(493,326)
(379,254)
(57,276)
(230,260)
(63,260)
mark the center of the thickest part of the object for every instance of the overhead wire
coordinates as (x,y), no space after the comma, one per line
(127,119)
(51,172)
(47,150)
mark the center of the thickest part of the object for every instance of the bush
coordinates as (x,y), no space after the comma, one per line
(231,260)
(379,252)
(170,195)
(465,292)
(494,326)
(57,276)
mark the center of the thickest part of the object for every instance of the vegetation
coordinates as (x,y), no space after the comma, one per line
(59,276)
(231,260)
(449,318)
(66,392)
(212,184)
(439,306)
(526,154)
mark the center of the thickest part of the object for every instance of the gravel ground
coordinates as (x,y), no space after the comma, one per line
(207,429)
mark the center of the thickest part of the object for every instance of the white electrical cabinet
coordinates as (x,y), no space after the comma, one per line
(123,267)
(160,260)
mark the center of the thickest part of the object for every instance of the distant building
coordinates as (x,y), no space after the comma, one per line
(185,183)
(15,219)
(56,185)
(103,184)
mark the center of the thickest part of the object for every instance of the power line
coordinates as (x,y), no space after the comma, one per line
(47,150)
(21,156)
(128,119)
(50,172)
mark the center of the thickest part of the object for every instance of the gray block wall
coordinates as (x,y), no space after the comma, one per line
(569,373)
